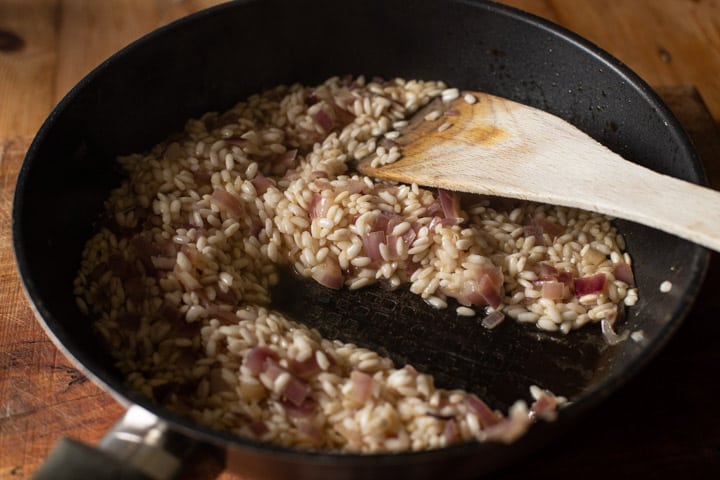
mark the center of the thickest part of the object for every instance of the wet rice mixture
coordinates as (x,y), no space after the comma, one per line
(177,279)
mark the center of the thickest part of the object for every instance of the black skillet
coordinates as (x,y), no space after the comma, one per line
(212,59)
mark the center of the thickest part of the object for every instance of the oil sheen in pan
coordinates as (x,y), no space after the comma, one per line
(499,364)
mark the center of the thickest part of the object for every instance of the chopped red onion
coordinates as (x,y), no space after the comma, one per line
(540,226)
(328,274)
(305,410)
(553,290)
(608,332)
(371,245)
(355,186)
(362,387)
(486,416)
(451,432)
(296,391)
(282,162)
(592,284)
(324,120)
(493,319)
(534,231)
(255,229)
(483,289)
(546,404)
(227,202)
(305,369)
(508,429)
(262,183)
(624,273)
(450,204)
(319,206)
(490,291)
(566,278)
(549,227)
(548,272)
(192,254)
(257,357)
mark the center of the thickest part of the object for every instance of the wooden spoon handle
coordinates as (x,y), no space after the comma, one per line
(675,206)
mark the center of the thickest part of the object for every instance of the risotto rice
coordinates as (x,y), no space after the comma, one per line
(177,280)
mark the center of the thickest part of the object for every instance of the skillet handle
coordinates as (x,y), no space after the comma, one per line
(71,459)
(139,446)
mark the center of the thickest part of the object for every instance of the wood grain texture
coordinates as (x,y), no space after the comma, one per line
(27,65)
(60,41)
(666,42)
(41,392)
(48,45)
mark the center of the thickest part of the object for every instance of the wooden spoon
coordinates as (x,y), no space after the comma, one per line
(499,147)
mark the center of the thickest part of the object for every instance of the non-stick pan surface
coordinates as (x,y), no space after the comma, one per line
(212,59)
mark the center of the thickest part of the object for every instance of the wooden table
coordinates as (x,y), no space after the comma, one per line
(664,424)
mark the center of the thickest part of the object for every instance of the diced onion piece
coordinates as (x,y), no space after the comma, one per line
(355,186)
(592,284)
(227,202)
(549,227)
(545,405)
(296,391)
(371,245)
(534,231)
(362,386)
(486,416)
(566,277)
(548,272)
(257,357)
(490,291)
(450,204)
(324,120)
(262,183)
(283,161)
(483,287)
(319,206)
(305,410)
(540,226)
(328,274)
(511,428)
(624,273)
(305,369)
(553,290)
(608,332)
(493,319)
(451,432)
